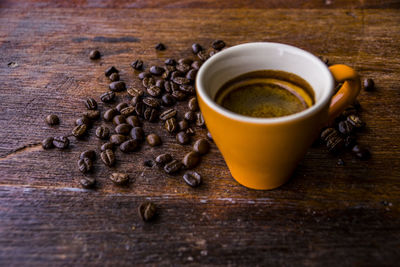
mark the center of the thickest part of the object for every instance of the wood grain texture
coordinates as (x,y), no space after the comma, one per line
(325,215)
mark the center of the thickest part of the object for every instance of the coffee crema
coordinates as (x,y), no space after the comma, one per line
(266,94)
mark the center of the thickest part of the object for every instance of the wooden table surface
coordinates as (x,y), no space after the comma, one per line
(325,215)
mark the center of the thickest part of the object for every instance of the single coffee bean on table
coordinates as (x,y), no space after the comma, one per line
(183,138)
(91,154)
(173,166)
(151,102)
(150,114)
(48,143)
(117,86)
(201,146)
(79,131)
(123,128)
(129,146)
(134,92)
(196,48)
(92,114)
(134,121)
(52,119)
(147,211)
(83,120)
(88,182)
(108,157)
(154,91)
(119,119)
(218,44)
(110,71)
(90,103)
(193,105)
(137,133)
(137,64)
(171,125)
(153,140)
(190,116)
(107,97)
(119,178)
(114,77)
(192,178)
(143,75)
(160,47)
(170,61)
(200,120)
(117,139)
(61,142)
(168,100)
(167,114)
(109,114)
(191,160)
(102,132)
(368,84)
(106,146)
(163,159)
(94,54)
(148,81)
(156,70)
(85,165)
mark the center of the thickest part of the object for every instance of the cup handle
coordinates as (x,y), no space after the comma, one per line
(347,93)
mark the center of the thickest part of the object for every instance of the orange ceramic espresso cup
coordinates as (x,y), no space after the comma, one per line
(261,153)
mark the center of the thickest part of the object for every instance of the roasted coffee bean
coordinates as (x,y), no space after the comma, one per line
(169,113)
(171,125)
(135,100)
(129,146)
(134,92)
(175,74)
(107,97)
(163,159)
(129,110)
(137,133)
(179,95)
(139,108)
(133,121)
(148,81)
(48,143)
(192,178)
(94,54)
(196,65)
(218,44)
(211,52)
(147,210)
(114,77)
(351,110)
(184,68)
(61,142)
(209,136)
(143,75)
(82,120)
(191,75)
(173,166)
(148,163)
(79,131)
(160,47)
(174,87)
(108,157)
(151,102)
(88,182)
(166,75)
(328,133)
(168,100)
(154,91)
(156,70)
(110,71)
(153,140)
(349,141)
(196,48)
(199,119)
(182,138)
(52,119)
(119,178)
(368,84)
(123,129)
(110,114)
(170,61)
(119,119)
(150,114)
(203,55)
(91,154)
(345,127)
(188,89)
(361,152)
(117,86)
(201,146)
(335,144)
(183,125)
(193,104)
(190,131)
(137,64)
(355,121)
(121,106)
(102,132)
(117,139)
(191,160)
(92,114)
(167,86)
(91,104)
(106,146)
(160,83)
(85,165)
(190,116)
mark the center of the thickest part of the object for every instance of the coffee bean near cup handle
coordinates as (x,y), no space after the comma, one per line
(347,93)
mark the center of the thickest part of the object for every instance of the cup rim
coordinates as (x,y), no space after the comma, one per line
(325,98)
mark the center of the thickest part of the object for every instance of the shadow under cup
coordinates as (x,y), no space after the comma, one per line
(261,153)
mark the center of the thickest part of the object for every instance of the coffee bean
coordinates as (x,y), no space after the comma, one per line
(121,106)
(163,159)
(114,77)
(361,152)
(85,165)
(91,154)
(203,55)
(170,61)
(368,84)
(218,44)
(110,114)
(119,178)
(160,47)
(135,100)
(355,121)
(110,71)
(48,143)
(151,102)
(328,133)
(147,211)
(167,86)
(182,138)
(175,74)
(351,110)
(107,97)
(82,120)
(192,178)
(201,146)
(190,116)
(345,127)
(191,75)
(169,113)
(143,75)
(137,133)
(88,182)
(91,104)
(79,131)
(150,114)
(137,64)
(102,132)
(184,68)
(160,84)
(199,119)
(61,142)
(128,146)
(153,140)
(108,157)
(92,114)
(174,87)
(166,75)
(106,146)
(196,65)
(148,81)
(191,160)
(133,121)
(335,144)
(193,104)
(168,100)
(154,91)
(179,95)
(94,54)
(134,92)
(188,89)
(171,125)
(119,119)
(148,163)
(117,139)
(139,108)
(209,136)
(196,48)
(173,166)
(129,110)
(183,125)
(156,70)
(190,131)
(52,119)
(117,86)
(123,129)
